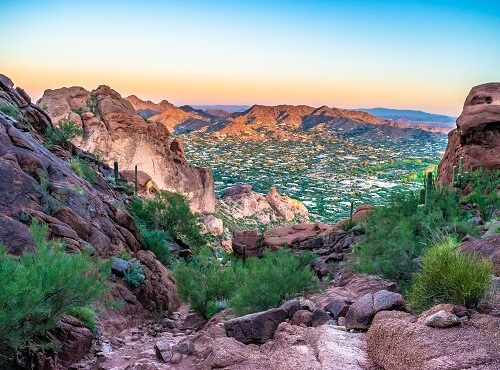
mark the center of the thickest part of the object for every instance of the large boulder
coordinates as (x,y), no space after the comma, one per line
(396,341)
(477,136)
(259,327)
(361,312)
(488,247)
(113,129)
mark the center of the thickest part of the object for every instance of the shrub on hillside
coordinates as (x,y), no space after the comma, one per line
(39,286)
(449,276)
(397,234)
(157,242)
(82,168)
(134,275)
(63,133)
(268,282)
(170,213)
(204,282)
(254,285)
(11,110)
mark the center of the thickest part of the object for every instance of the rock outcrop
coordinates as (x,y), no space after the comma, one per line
(488,247)
(477,136)
(396,341)
(38,183)
(113,129)
(242,202)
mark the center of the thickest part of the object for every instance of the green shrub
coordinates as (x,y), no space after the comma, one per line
(37,287)
(170,213)
(82,168)
(449,276)
(397,234)
(11,110)
(209,284)
(268,282)
(85,314)
(156,241)
(134,275)
(63,133)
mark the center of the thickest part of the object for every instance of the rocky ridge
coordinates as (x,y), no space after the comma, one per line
(113,129)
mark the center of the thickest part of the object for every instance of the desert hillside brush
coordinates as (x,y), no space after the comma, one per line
(63,133)
(170,212)
(157,242)
(11,110)
(134,275)
(448,275)
(39,286)
(210,284)
(82,168)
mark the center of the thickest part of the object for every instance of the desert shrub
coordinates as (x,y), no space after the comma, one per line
(485,187)
(204,281)
(85,314)
(62,134)
(210,284)
(11,110)
(170,213)
(82,168)
(39,286)
(267,282)
(449,276)
(134,275)
(397,234)
(157,242)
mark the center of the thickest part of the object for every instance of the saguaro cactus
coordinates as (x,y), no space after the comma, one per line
(115,167)
(135,180)
(352,211)
(429,185)
(459,175)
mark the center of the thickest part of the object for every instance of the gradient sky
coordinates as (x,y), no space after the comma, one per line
(400,54)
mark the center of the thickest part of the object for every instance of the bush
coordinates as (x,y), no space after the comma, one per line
(204,282)
(210,285)
(397,234)
(449,276)
(268,282)
(11,110)
(39,286)
(170,213)
(82,168)
(62,134)
(85,314)
(156,241)
(134,275)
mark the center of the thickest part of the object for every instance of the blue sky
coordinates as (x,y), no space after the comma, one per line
(402,54)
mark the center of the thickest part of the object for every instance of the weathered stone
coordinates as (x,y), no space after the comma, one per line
(338,307)
(442,319)
(163,351)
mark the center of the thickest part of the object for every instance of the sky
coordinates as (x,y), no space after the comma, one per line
(423,55)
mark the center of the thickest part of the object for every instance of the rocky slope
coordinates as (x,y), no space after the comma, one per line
(477,136)
(39,184)
(113,129)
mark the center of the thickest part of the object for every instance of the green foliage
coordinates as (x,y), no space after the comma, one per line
(115,304)
(85,314)
(449,276)
(397,235)
(78,110)
(269,281)
(170,213)
(93,104)
(39,286)
(485,192)
(63,133)
(11,110)
(204,282)
(210,285)
(82,168)
(134,275)
(157,242)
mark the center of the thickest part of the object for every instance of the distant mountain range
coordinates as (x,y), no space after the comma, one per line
(283,121)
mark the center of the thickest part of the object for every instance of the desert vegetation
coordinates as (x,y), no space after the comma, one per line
(63,133)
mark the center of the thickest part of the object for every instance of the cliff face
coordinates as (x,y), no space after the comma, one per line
(113,129)
(477,136)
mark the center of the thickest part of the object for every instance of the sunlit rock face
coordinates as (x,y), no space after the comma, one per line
(113,129)
(477,136)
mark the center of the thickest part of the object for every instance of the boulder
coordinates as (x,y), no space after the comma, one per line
(319,317)
(213,225)
(247,242)
(396,341)
(487,247)
(338,307)
(442,319)
(163,350)
(477,136)
(361,312)
(302,317)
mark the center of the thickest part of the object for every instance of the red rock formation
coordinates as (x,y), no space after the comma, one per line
(140,104)
(477,136)
(113,129)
